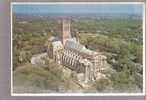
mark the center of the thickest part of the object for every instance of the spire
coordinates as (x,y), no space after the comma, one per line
(77,36)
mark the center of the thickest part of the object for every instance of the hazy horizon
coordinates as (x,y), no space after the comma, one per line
(79,9)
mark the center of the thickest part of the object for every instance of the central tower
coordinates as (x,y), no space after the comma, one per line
(66,29)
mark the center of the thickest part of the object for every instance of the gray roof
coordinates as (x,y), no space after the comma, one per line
(73,45)
(77,46)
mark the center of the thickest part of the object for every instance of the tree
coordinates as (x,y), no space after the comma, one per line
(102,84)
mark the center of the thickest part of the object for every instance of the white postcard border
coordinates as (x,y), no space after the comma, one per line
(79,94)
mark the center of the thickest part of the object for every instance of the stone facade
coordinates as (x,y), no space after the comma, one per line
(70,53)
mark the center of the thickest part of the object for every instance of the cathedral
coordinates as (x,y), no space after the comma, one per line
(70,53)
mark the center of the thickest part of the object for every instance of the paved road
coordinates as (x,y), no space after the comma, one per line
(38,59)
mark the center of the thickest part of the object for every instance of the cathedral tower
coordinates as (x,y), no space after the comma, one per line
(66,29)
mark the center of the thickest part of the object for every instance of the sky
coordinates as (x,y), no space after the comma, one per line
(135,9)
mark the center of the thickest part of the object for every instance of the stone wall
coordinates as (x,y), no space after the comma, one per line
(75,61)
